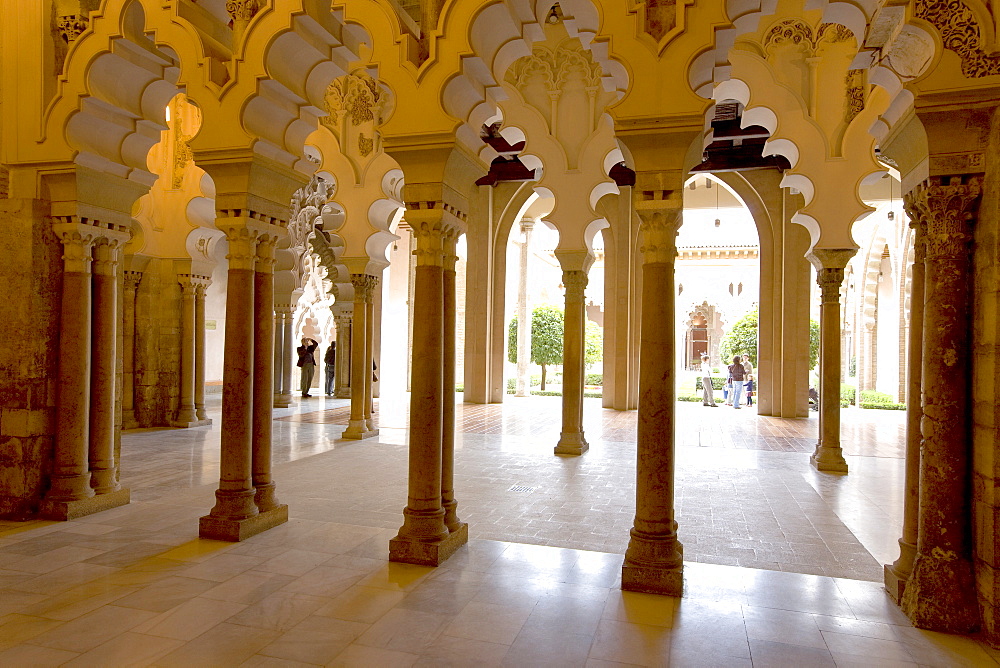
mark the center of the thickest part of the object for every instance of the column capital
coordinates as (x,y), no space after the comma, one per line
(575,283)
(946,207)
(829,280)
(830,258)
(107,253)
(79,235)
(132,279)
(265,254)
(450,251)
(364,287)
(431,223)
(659,226)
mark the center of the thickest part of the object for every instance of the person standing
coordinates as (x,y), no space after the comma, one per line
(330,361)
(738,374)
(748,375)
(307,364)
(707,389)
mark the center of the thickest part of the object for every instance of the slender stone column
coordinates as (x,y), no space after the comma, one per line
(199,351)
(263,378)
(103,469)
(572,440)
(369,393)
(523,383)
(829,265)
(279,345)
(71,472)
(361,366)
(899,571)
(235,515)
(288,344)
(941,592)
(132,279)
(424,538)
(342,377)
(654,558)
(186,416)
(449,303)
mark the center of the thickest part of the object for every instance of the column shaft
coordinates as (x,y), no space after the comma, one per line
(828,455)
(132,279)
(361,366)
(572,440)
(199,354)
(263,376)
(345,338)
(370,358)
(448,382)
(899,571)
(941,592)
(103,470)
(71,473)
(654,558)
(279,344)
(287,349)
(186,415)
(523,383)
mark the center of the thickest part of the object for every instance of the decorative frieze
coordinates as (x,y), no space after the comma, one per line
(960,33)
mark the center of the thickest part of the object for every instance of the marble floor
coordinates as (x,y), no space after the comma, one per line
(782,564)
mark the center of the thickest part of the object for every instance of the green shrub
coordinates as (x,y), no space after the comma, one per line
(875,397)
(884,407)
(594,379)
(688,397)
(552,393)
(512,383)
(847,394)
(460,388)
(717,383)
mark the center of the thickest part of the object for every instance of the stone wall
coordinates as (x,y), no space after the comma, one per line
(157,344)
(30,285)
(985,389)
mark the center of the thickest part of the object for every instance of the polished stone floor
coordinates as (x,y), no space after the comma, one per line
(782,563)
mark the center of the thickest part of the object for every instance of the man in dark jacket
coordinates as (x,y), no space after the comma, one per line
(330,361)
(307,363)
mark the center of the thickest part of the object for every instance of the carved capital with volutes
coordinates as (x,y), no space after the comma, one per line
(658,231)
(575,283)
(364,287)
(79,236)
(829,280)
(107,253)
(242,10)
(242,245)
(132,279)
(264,261)
(946,207)
(450,250)
(71,26)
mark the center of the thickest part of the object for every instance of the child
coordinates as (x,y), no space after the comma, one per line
(749,386)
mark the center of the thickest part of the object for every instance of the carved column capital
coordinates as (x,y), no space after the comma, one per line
(132,280)
(242,245)
(265,254)
(945,207)
(829,280)
(241,10)
(77,244)
(659,229)
(70,26)
(364,287)
(575,283)
(106,256)
(450,250)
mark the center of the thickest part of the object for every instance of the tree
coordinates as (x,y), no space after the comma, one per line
(742,340)
(546,337)
(593,349)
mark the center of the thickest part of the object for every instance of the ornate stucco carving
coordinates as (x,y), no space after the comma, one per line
(354,104)
(960,33)
(797,32)
(70,27)
(856,90)
(242,10)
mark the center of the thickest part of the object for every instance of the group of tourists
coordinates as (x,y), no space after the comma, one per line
(739,379)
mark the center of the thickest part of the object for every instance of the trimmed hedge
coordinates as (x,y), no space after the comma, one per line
(847,394)
(550,393)
(875,397)
(717,383)
(885,407)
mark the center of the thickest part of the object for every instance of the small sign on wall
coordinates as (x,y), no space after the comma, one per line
(209,324)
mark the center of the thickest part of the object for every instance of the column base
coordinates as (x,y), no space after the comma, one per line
(571,445)
(432,553)
(653,580)
(71,510)
(234,531)
(941,594)
(192,423)
(829,460)
(344,393)
(282,400)
(897,573)
(357,430)
(128,420)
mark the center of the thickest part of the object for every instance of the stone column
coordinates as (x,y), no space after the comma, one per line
(899,571)
(186,416)
(71,470)
(449,304)
(235,516)
(199,351)
(523,383)
(654,558)
(132,279)
(342,377)
(941,592)
(263,379)
(571,440)
(361,366)
(279,346)
(829,265)
(424,538)
(103,468)
(288,344)
(369,393)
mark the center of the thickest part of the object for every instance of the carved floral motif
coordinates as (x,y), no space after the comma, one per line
(798,32)
(855,93)
(959,33)
(70,27)
(242,10)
